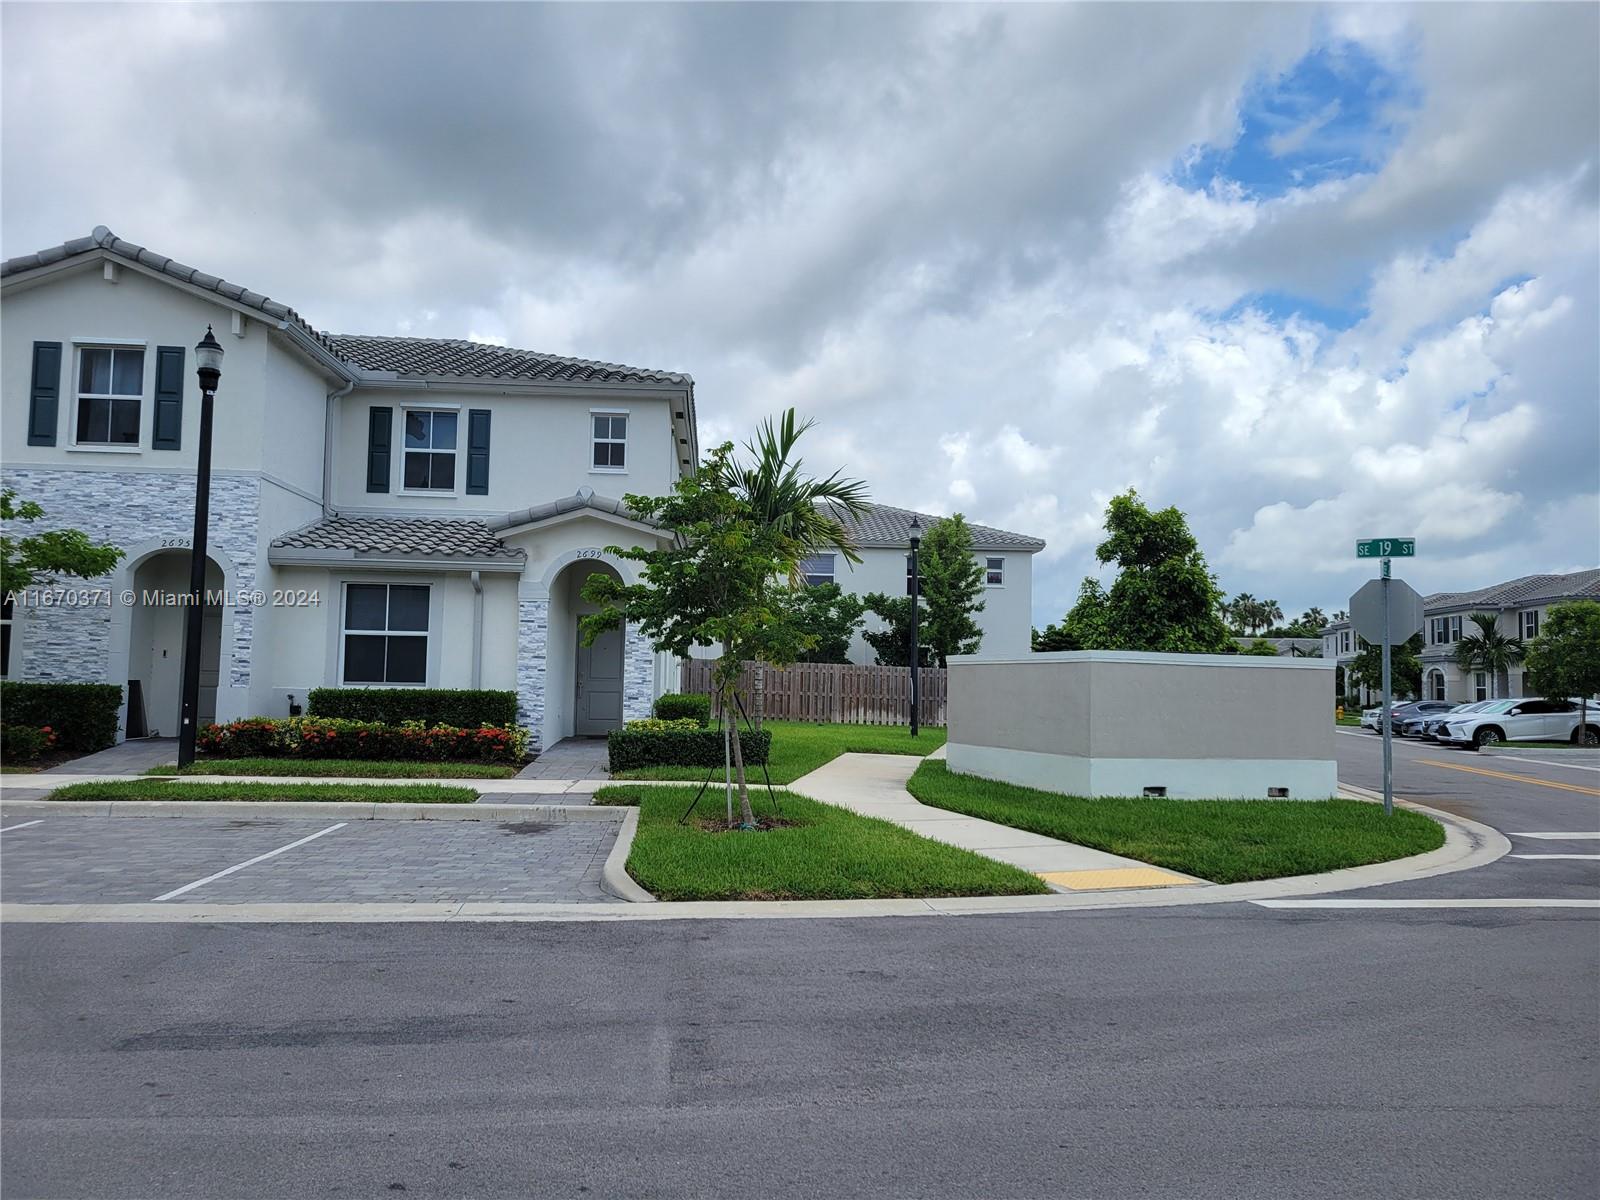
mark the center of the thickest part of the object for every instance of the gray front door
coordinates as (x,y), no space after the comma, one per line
(599,685)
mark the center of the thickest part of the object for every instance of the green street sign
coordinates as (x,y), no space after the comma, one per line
(1387,548)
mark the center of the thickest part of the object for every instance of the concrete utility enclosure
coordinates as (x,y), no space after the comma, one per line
(1124,723)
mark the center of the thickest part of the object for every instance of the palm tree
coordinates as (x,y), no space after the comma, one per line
(1488,650)
(808,513)
(1243,611)
(1312,619)
(1270,613)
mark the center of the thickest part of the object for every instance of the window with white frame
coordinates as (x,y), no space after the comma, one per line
(818,568)
(610,441)
(1346,647)
(1436,685)
(1529,624)
(1480,686)
(430,450)
(994,572)
(110,389)
(385,633)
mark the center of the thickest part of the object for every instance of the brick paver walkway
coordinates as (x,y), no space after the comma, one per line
(570,758)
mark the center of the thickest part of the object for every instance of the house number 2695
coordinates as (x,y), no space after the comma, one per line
(592,552)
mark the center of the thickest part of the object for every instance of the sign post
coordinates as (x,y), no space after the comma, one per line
(1382,610)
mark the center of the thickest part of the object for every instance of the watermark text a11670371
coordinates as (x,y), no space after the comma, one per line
(90,596)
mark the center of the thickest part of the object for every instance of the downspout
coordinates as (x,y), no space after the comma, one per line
(327,447)
(477,630)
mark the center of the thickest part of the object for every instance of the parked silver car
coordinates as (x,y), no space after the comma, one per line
(1433,725)
(1408,719)
(1529,719)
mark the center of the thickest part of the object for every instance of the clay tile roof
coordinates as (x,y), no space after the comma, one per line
(883,526)
(456,358)
(412,537)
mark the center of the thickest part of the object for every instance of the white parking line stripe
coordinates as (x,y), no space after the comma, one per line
(1559,837)
(1585,857)
(189,887)
(1509,903)
(24,825)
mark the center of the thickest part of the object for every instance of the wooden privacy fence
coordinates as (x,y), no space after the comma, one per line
(831,692)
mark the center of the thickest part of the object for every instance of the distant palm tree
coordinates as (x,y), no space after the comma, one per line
(1243,612)
(1313,619)
(807,512)
(1270,613)
(1488,650)
(1341,615)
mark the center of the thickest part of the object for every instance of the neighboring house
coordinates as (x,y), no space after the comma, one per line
(385,511)
(1520,605)
(883,536)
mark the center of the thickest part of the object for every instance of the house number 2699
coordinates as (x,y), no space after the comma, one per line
(591,552)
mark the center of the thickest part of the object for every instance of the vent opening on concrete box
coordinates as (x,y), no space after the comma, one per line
(1155,791)
(1280,793)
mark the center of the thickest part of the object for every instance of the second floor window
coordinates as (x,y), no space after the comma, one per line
(994,572)
(1530,624)
(110,387)
(817,569)
(1446,630)
(430,450)
(610,442)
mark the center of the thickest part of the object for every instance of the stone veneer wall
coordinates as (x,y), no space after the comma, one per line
(638,675)
(73,644)
(533,636)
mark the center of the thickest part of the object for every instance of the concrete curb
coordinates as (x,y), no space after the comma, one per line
(350,811)
(614,875)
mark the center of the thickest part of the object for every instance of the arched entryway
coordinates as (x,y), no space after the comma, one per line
(160,585)
(584,684)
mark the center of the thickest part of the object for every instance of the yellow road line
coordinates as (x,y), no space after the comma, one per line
(1549,783)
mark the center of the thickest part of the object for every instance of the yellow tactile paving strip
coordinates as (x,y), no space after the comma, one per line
(1118,877)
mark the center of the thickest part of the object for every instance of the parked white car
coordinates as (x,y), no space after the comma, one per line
(1372,718)
(1529,719)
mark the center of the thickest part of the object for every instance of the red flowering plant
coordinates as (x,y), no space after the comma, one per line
(334,737)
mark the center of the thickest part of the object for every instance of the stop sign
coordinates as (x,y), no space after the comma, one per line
(1405,611)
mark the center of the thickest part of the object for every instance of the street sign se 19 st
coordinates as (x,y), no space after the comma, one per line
(1387,548)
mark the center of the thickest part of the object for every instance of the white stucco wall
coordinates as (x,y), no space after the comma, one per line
(540,448)
(1006,619)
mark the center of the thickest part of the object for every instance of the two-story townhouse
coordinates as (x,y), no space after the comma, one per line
(384,511)
(882,536)
(1519,605)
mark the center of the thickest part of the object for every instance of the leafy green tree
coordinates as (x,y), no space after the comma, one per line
(892,643)
(712,586)
(1163,598)
(1261,648)
(1488,650)
(37,559)
(1564,660)
(951,580)
(1054,637)
(829,617)
(1405,667)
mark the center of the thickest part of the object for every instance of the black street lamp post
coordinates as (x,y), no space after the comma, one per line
(916,658)
(208,367)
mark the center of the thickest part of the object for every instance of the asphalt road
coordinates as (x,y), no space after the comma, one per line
(1227,1053)
(1193,1052)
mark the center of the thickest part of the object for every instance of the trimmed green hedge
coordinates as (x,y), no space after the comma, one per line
(674,707)
(465,708)
(82,715)
(631,748)
(24,743)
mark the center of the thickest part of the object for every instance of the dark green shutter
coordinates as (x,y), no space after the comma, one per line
(478,452)
(167,431)
(380,433)
(46,393)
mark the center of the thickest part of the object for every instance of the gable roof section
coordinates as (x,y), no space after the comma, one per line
(884,527)
(584,499)
(381,541)
(381,356)
(103,239)
(1530,589)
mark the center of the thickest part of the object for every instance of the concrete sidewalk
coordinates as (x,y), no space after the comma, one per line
(874,785)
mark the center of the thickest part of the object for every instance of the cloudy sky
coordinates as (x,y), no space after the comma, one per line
(1309,273)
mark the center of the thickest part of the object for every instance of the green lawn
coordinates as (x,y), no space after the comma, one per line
(1225,841)
(823,853)
(357,767)
(800,747)
(351,793)
(1348,720)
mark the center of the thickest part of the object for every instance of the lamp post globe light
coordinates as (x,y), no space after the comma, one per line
(915,660)
(208,369)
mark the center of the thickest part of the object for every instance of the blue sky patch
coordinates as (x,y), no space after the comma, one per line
(1337,112)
